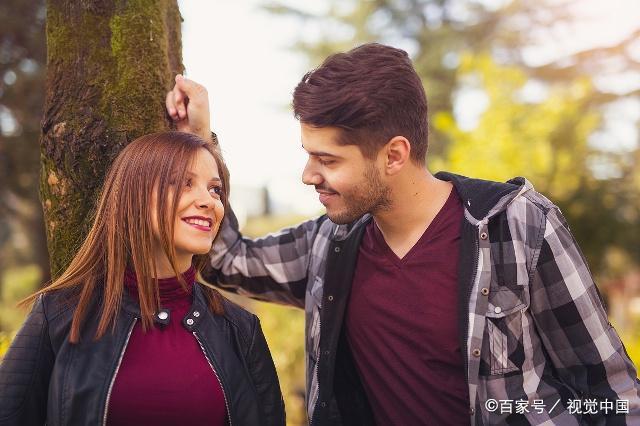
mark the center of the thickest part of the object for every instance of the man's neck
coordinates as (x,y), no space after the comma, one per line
(417,197)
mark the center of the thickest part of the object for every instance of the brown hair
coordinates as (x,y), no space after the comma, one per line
(372,93)
(122,232)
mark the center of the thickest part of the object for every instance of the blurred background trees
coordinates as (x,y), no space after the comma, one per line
(22,71)
(516,87)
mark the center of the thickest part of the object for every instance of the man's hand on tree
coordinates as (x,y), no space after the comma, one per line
(188,105)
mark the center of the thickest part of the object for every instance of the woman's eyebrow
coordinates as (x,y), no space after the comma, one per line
(213,179)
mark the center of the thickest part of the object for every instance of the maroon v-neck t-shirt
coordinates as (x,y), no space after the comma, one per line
(402,325)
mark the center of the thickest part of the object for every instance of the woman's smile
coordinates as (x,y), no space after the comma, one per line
(199,222)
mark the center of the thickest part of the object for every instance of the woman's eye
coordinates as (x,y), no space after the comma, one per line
(216,191)
(188,183)
(326,162)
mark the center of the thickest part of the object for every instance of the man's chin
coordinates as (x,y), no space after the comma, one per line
(341,217)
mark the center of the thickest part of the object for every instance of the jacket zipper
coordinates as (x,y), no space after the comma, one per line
(315,407)
(224,394)
(113,378)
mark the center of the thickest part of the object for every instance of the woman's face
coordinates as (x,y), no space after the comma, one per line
(200,210)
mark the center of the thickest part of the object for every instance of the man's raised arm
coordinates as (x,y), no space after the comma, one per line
(273,268)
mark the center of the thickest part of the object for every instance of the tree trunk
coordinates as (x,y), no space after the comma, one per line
(109,65)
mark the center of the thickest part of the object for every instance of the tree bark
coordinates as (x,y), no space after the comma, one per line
(109,65)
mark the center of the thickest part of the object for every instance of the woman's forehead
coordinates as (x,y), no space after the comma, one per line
(204,165)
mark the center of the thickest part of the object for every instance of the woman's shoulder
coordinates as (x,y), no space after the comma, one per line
(237,315)
(59,302)
(237,312)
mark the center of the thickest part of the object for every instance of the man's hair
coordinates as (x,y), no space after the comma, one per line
(372,93)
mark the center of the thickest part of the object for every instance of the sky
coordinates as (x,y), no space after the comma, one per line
(243,55)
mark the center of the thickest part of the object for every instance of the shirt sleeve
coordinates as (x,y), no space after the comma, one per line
(272,268)
(583,346)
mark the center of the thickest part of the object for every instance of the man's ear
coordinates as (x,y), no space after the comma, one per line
(397,153)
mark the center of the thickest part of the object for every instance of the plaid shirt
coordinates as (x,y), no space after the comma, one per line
(537,338)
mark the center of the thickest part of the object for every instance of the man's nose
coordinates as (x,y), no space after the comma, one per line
(310,176)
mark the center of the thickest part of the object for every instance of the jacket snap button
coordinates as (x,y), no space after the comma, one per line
(196,314)
(190,321)
(484,291)
(337,249)
(326,353)
(497,309)
(476,352)
(471,411)
(330,298)
(323,404)
(163,315)
(483,236)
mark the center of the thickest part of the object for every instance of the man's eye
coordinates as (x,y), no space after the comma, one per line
(326,162)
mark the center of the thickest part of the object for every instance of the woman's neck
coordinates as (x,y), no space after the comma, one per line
(164,269)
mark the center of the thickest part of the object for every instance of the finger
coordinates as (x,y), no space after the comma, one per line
(170,105)
(192,89)
(180,102)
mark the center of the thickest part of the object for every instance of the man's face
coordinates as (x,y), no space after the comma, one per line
(349,185)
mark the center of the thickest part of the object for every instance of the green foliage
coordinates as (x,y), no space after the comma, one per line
(21,95)
(545,141)
(5,341)
(18,283)
(632,345)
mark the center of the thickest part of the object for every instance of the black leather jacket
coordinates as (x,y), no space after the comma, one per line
(46,379)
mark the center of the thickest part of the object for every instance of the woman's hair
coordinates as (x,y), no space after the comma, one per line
(122,232)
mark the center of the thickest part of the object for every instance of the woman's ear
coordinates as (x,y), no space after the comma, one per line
(397,153)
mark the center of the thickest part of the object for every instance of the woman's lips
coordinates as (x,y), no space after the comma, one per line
(199,227)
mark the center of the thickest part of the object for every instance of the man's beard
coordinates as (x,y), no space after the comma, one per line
(370,196)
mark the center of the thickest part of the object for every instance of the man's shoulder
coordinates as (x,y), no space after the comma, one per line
(530,203)
(338,232)
(483,197)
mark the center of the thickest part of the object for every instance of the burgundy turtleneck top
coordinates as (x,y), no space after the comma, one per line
(164,377)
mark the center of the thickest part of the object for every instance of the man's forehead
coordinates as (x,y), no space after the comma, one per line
(320,140)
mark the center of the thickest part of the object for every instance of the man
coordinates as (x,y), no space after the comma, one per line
(427,298)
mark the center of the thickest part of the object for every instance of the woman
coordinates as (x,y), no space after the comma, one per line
(125,335)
